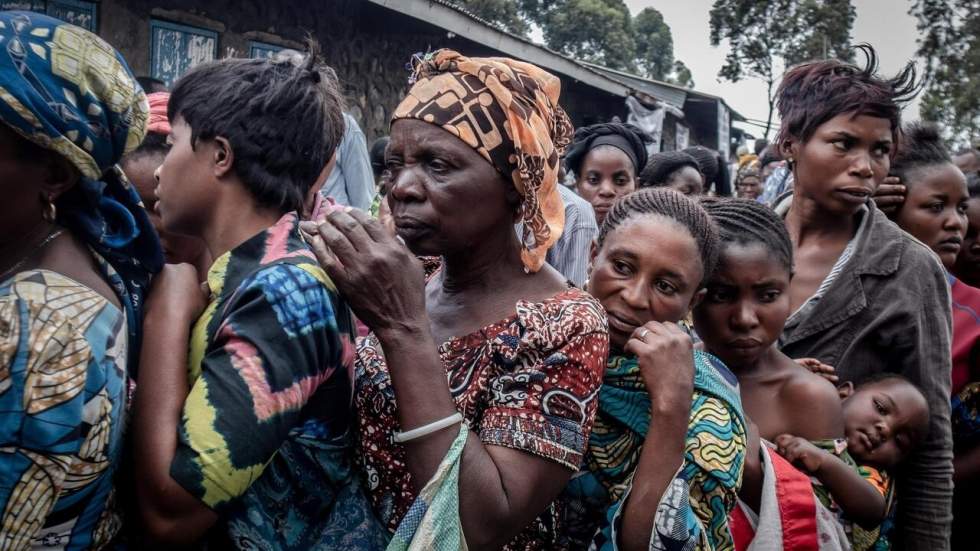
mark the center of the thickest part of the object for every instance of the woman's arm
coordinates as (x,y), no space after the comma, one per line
(501,489)
(666,358)
(859,500)
(170,513)
(923,355)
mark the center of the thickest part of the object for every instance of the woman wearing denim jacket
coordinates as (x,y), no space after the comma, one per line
(867,297)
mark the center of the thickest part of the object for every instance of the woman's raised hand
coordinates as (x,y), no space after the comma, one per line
(666,357)
(377,275)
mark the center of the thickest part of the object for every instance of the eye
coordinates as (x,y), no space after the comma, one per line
(438,166)
(882,150)
(720,294)
(665,287)
(770,295)
(841,144)
(936,207)
(962,207)
(879,407)
(622,268)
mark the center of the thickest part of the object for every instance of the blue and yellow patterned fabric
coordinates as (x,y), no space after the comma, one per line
(265,438)
(67,90)
(693,513)
(63,380)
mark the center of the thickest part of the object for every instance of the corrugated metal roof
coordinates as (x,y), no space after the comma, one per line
(671,95)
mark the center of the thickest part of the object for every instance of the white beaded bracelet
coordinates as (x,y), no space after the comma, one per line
(402,437)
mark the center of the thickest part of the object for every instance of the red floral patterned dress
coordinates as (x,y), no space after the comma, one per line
(529,382)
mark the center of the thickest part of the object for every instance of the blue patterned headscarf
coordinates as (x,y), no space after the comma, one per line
(65,89)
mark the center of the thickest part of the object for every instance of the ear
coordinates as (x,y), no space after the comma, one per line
(789,148)
(593,253)
(697,298)
(60,176)
(223,157)
(845,390)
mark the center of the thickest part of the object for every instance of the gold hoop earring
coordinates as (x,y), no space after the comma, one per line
(50,213)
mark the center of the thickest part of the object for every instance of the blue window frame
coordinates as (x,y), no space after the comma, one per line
(262,50)
(175,49)
(77,12)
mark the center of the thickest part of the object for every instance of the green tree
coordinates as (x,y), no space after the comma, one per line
(597,31)
(765,35)
(950,47)
(681,75)
(506,14)
(654,44)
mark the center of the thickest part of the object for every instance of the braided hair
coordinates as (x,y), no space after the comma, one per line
(743,221)
(674,206)
(663,164)
(922,146)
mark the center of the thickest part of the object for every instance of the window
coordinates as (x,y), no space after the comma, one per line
(262,50)
(174,49)
(77,12)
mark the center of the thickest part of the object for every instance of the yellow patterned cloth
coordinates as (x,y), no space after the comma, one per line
(62,399)
(693,512)
(507,111)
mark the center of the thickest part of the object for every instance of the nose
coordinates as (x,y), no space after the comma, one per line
(955,222)
(635,294)
(862,165)
(404,185)
(744,316)
(606,189)
(156,173)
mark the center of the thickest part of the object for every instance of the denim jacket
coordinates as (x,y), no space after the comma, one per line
(889,311)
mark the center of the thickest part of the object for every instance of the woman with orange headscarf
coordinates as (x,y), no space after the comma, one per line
(495,362)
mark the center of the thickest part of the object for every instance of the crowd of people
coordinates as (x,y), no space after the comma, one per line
(227,322)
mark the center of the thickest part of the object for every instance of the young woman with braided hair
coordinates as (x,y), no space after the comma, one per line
(660,398)
(740,320)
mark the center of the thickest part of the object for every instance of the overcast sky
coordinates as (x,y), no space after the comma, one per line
(885,24)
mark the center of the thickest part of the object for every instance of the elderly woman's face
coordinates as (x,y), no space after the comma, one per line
(444,196)
(842,164)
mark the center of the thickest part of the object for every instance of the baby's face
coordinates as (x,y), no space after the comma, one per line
(884,421)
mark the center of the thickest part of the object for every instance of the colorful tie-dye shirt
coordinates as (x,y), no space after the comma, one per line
(264,438)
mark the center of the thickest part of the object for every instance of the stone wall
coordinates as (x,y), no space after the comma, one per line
(366,44)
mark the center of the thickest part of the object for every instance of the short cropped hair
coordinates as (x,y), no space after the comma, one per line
(282,118)
(815,92)
(922,146)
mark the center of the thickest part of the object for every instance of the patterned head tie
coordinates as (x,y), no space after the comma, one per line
(66,90)
(508,112)
(751,170)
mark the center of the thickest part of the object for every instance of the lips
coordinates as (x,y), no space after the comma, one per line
(621,323)
(951,245)
(854,194)
(744,343)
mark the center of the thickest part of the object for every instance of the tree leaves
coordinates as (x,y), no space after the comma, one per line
(765,36)
(950,47)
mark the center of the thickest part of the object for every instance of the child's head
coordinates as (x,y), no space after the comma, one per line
(271,125)
(885,418)
(747,301)
(651,257)
(935,207)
